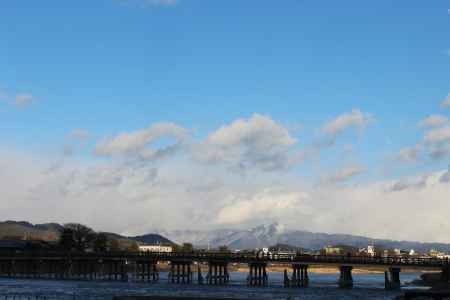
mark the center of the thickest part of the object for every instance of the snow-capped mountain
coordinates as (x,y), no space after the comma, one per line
(258,237)
(272,234)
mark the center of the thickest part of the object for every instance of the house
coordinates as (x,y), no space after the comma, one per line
(156,248)
(438,254)
(332,250)
(341,250)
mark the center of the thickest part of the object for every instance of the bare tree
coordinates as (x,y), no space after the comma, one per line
(101,243)
(82,236)
(187,247)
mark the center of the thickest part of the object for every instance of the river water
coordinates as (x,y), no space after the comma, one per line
(322,286)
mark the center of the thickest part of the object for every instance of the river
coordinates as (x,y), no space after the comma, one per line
(322,286)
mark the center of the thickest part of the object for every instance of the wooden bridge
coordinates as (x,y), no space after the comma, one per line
(144,267)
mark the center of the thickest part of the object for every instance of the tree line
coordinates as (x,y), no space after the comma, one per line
(81,238)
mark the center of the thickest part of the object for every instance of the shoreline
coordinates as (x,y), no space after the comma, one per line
(316,269)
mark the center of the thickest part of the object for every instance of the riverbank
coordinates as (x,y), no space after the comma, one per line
(317,269)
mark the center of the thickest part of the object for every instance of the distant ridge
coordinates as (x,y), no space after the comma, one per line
(46,232)
(272,234)
(152,239)
(257,237)
(50,232)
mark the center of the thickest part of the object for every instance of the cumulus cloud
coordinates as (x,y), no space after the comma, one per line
(141,143)
(438,135)
(343,174)
(410,154)
(446,102)
(355,119)
(439,152)
(258,142)
(23,99)
(266,206)
(142,198)
(437,142)
(433,121)
(409,183)
(446,176)
(377,212)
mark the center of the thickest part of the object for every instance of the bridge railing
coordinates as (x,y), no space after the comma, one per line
(243,257)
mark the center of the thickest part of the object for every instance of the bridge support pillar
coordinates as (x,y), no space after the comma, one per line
(218,273)
(200,279)
(258,274)
(392,279)
(146,271)
(300,277)
(445,275)
(287,280)
(180,272)
(346,278)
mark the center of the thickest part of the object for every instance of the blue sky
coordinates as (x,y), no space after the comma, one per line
(112,66)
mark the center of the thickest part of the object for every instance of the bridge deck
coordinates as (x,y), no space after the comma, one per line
(356,261)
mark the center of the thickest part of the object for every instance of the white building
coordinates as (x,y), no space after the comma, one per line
(438,254)
(156,248)
(371,250)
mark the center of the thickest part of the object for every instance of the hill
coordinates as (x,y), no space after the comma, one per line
(50,232)
(20,230)
(152,239)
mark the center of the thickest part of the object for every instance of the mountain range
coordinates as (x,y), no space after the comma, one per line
(257,237)
(268,235)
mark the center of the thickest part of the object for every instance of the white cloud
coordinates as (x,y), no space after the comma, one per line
(410,154)
(377,211)
(141,198)
(437,142)
(140,143)
(446,176)
(409,183)
(433,121)
(446,102)
(438,135)
(343,174)
(24,99)
(260,131)
(439,152)
(258,142)
(355,119)
(264,207)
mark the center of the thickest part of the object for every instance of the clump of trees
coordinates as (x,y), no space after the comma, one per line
(224,249)
(185,247)
(81,238)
